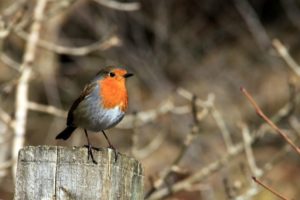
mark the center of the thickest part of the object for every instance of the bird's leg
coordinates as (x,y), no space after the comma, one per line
(89,146)
(111,146)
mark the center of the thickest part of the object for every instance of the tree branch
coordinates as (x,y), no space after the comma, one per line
(269,188)
(264,117)
(22,87)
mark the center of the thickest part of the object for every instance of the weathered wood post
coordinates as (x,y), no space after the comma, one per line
(61,173)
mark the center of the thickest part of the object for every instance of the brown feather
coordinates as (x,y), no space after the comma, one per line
(85,92)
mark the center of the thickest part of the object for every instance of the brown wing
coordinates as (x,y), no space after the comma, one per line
(85,92)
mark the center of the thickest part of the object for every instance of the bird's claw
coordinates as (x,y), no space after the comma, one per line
(94,148)
(90,152)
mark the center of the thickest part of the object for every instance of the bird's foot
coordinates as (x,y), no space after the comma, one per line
(94,148)
(90,152)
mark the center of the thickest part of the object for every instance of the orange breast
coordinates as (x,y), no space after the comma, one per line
(113,93)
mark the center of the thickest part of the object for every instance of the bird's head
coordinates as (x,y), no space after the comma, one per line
(113,92)
(110,73)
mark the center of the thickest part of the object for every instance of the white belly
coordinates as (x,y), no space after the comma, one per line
(100,119)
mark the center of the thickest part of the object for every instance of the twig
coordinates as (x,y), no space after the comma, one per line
(223,128)
(284,54)
(122,6)
(252,20)
(212,168)
(187,142)
(263,116)
(269,189)
(253,190)
(209,104)
(52,110)
(154,144)
(198,175)
(147,116)
(218,164)
(22,87)
(141,118)
(75,51)
(6,118)
(248,149)
(5,30)
(188,95)
(14,7)
(10,62)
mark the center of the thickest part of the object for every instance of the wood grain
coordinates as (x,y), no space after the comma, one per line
(51,172)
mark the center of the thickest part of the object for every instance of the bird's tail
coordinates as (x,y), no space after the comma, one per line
(65,134)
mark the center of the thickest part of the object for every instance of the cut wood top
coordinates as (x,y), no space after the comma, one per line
(54,172)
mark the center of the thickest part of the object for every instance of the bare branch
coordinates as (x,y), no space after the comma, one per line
(186,145)
(248,149)
(52,110)
(141,118)
(284,54)
(122,6)
(223,128)
(269,189)
(253,190)
(22,87)
(10,62)
(252,20)
(5,30)
(264,117)
(75,51)
(168,106)
(209,104)
(198,175)
(14,7)
(213,167)
(153,145)
(189,96)
(5,117)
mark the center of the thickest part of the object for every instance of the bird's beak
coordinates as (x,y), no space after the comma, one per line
(128,75)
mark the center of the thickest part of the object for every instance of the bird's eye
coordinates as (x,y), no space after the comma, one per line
(111,74)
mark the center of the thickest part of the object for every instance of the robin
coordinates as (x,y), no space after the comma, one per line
(101,105)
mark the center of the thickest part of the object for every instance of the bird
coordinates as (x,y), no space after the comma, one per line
(101,105)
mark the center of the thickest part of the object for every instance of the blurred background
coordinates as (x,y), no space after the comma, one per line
(188,122)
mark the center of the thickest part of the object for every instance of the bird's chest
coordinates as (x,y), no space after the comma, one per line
(92,115)
(113,94)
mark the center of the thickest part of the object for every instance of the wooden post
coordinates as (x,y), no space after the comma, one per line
(64,173)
